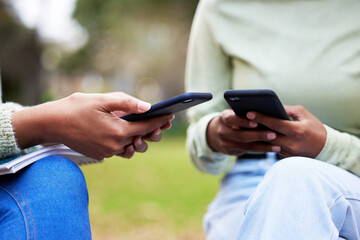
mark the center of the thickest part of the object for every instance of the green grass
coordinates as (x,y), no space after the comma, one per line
(159,192)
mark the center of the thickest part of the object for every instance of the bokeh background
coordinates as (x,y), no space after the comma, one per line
(52,48)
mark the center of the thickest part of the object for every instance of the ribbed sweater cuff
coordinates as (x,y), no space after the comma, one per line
(8,144)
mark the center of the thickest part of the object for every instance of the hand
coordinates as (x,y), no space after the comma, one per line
(305,136)
(139,144)
(233,135)
(85,123)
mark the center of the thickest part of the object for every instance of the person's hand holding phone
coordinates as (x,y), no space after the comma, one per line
(87,124)
(304,136)
(166,107)
(235,135)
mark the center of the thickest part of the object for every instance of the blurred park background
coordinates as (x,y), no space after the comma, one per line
(52,48)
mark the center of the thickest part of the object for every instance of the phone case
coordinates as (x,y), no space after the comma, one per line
(171,106)
(258,100)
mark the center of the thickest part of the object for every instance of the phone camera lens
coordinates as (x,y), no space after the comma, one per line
(234,99)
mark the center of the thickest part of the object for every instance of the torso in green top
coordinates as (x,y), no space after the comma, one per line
(308,52)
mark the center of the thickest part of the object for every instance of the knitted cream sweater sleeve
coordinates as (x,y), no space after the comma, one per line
(8,144)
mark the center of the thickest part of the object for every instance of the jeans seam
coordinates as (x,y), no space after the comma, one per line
(21,208)
(27,205)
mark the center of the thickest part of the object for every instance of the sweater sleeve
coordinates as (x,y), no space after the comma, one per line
(203,157)
(341,149)
(208,69)
(8,144)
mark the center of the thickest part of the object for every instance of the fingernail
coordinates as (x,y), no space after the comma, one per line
(157,131)
(275,148)
(271,136)
(130,148)
(172,117)
(167,127)
(253,124)
(138,142)
(250,115)
(143,106)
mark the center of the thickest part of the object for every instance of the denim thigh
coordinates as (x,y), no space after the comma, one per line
(226,212)
(46,200)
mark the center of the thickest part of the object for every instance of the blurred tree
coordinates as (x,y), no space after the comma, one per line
(20,51)
(134,39)
(137,46)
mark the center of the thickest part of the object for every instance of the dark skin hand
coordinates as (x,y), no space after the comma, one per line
(304,136)
(233,135)
(89,124)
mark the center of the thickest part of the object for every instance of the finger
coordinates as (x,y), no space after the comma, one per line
(297,112)
(154,136)
(229,118)
(129,151)
(140,145)
(288,145)
(282,141)
(285,154)
(246,136)
(123,102)
(121,151)
(166,126)
(289,110)
(282,126)
(141,128)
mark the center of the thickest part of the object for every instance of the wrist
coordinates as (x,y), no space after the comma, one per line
(36,125)
(211,142)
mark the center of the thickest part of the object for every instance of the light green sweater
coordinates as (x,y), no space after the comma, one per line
(308,52)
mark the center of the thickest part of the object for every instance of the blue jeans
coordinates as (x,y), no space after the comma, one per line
(295,198)
(46,200)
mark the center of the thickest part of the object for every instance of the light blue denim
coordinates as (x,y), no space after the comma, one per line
(47,200)
(295,198)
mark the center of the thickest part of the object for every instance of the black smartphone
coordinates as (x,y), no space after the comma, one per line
(171,106)
(264,101)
